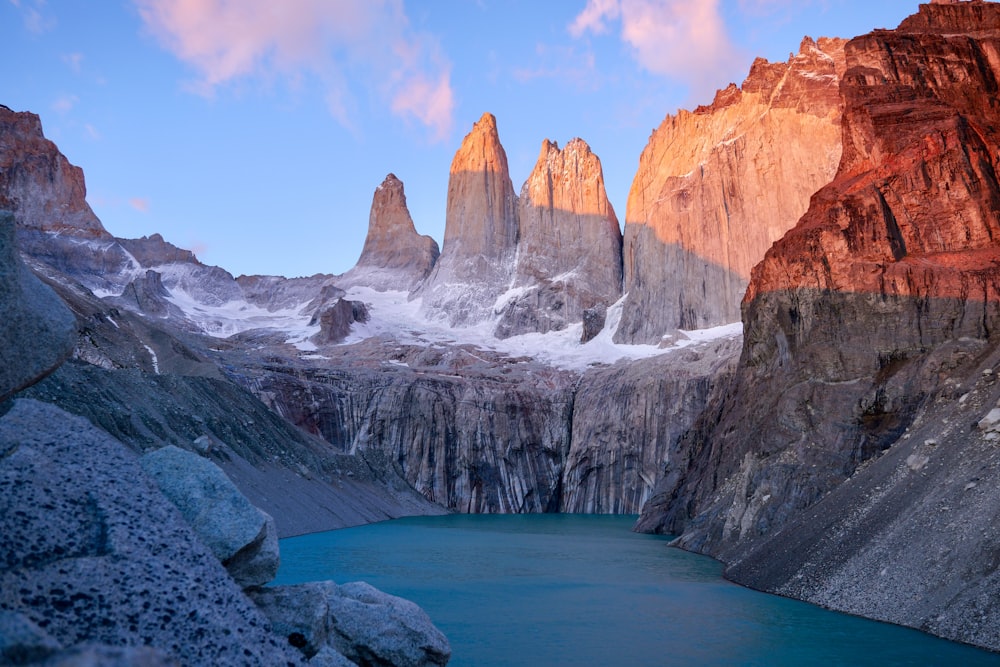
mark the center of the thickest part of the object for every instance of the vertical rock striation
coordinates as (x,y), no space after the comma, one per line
(569,247)
(717,186)
(394,256)
(870,347)
(480,235)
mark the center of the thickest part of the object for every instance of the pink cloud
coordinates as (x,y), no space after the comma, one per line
(140,204)
(336,41)
(680,39)
(65,103)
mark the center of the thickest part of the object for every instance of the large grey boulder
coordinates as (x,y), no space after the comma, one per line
(94,554)
(241,536)
(37,331)
(357,621)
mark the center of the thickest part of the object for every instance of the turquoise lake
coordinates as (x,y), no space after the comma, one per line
(579,590)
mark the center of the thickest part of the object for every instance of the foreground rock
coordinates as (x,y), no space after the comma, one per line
(705,205)
(356,621)
(242,537)
(843,466)
(37,331)
(93,552)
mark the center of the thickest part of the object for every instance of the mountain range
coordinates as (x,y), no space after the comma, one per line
(785,354)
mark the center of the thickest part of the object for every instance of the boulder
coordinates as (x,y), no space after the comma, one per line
(241,536)
(93,553)
(37,331)
(356,621)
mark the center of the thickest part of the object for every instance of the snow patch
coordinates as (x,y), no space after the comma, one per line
(156,361)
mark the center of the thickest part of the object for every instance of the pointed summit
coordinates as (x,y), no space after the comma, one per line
(480,235)
(569,248)
(394,257)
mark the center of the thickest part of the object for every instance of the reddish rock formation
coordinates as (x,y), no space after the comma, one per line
(873,320)
(717,186)
(480,236)
(569,247)
(40,186)
(394,257)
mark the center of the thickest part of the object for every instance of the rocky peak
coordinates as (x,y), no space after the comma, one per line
(394,256)
(970,17)
(704,208)
(880,305)
(39,184)
(480,235)
(569,248)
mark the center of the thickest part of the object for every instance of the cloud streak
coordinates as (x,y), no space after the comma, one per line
(343,44)
(686,41)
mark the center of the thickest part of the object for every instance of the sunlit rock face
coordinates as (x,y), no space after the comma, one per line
(843,464)
(480,236)
(43,189)
(569,247)
(394,256)
(717,186)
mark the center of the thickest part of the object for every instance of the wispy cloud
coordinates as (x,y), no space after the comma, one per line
(686,41)
(35,18)
(562,63)
(343,44)
(140,204)
(65,103)
(74,61)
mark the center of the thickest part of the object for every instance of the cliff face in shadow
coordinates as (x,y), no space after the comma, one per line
(865,326)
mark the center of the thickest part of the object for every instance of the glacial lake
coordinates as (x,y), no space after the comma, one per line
(584,590)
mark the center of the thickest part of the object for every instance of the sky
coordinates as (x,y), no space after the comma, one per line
(255,132)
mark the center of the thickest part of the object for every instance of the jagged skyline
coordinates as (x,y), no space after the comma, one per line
(257,138)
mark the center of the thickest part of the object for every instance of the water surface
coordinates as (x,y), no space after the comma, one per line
(584,590)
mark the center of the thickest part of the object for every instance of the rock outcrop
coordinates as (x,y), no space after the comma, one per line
(717,186)
(394,256)
(241,536)
(37,331)
(870,346)
(355,620)
(93,553)
(39,184)
(480,235)
(569,244)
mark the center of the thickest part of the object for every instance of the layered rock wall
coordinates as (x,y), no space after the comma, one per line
(717,186)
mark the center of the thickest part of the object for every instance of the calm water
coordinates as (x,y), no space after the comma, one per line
(585,590)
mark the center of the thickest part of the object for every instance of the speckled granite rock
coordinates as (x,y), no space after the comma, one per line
(355,620)
(36,329)
(93,553)
(241,536)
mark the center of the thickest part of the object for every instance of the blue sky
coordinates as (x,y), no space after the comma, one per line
(255,132)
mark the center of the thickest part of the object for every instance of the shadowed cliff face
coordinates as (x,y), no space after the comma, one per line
(716,187)
(869,352)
